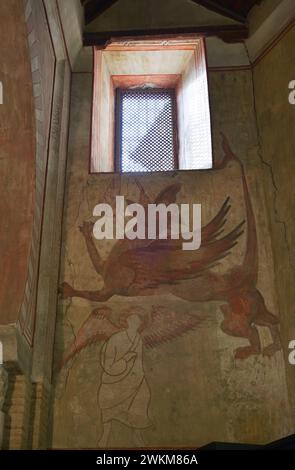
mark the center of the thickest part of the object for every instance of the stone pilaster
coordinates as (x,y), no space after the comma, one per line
(40,419)
(17,409)
(3,392)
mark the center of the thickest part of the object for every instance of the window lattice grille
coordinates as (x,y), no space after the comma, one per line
(146,130)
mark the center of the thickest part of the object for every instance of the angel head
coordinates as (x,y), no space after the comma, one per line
(134,318)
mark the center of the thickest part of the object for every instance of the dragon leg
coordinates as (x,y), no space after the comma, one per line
(240,325)
(68,291)
(265,318)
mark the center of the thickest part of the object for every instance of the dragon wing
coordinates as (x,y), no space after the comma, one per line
(97,327)
(167,325)
(168,195)
(164,261)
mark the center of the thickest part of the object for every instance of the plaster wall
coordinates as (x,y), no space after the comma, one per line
(194,381)
(276,121)
(17,159)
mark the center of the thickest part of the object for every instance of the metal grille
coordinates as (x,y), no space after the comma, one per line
(146,130)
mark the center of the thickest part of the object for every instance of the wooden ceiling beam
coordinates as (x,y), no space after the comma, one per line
(217,7)
(228,33)
(95,8)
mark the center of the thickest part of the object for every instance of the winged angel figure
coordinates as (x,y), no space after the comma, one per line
(149,267)
(124,393)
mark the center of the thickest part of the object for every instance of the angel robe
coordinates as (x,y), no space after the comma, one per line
(124,394)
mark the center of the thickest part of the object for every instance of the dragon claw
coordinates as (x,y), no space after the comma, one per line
(86,228)
(65,290)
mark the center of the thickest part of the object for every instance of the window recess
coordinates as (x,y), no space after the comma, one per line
(151,107)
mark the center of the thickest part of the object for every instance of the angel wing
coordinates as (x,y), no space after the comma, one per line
(167,325)
(97,327)
(164,262)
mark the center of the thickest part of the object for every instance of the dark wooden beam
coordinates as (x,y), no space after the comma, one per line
(229,33)
(217,7)
(95,8)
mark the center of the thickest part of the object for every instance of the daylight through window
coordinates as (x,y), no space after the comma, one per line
(146,138)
